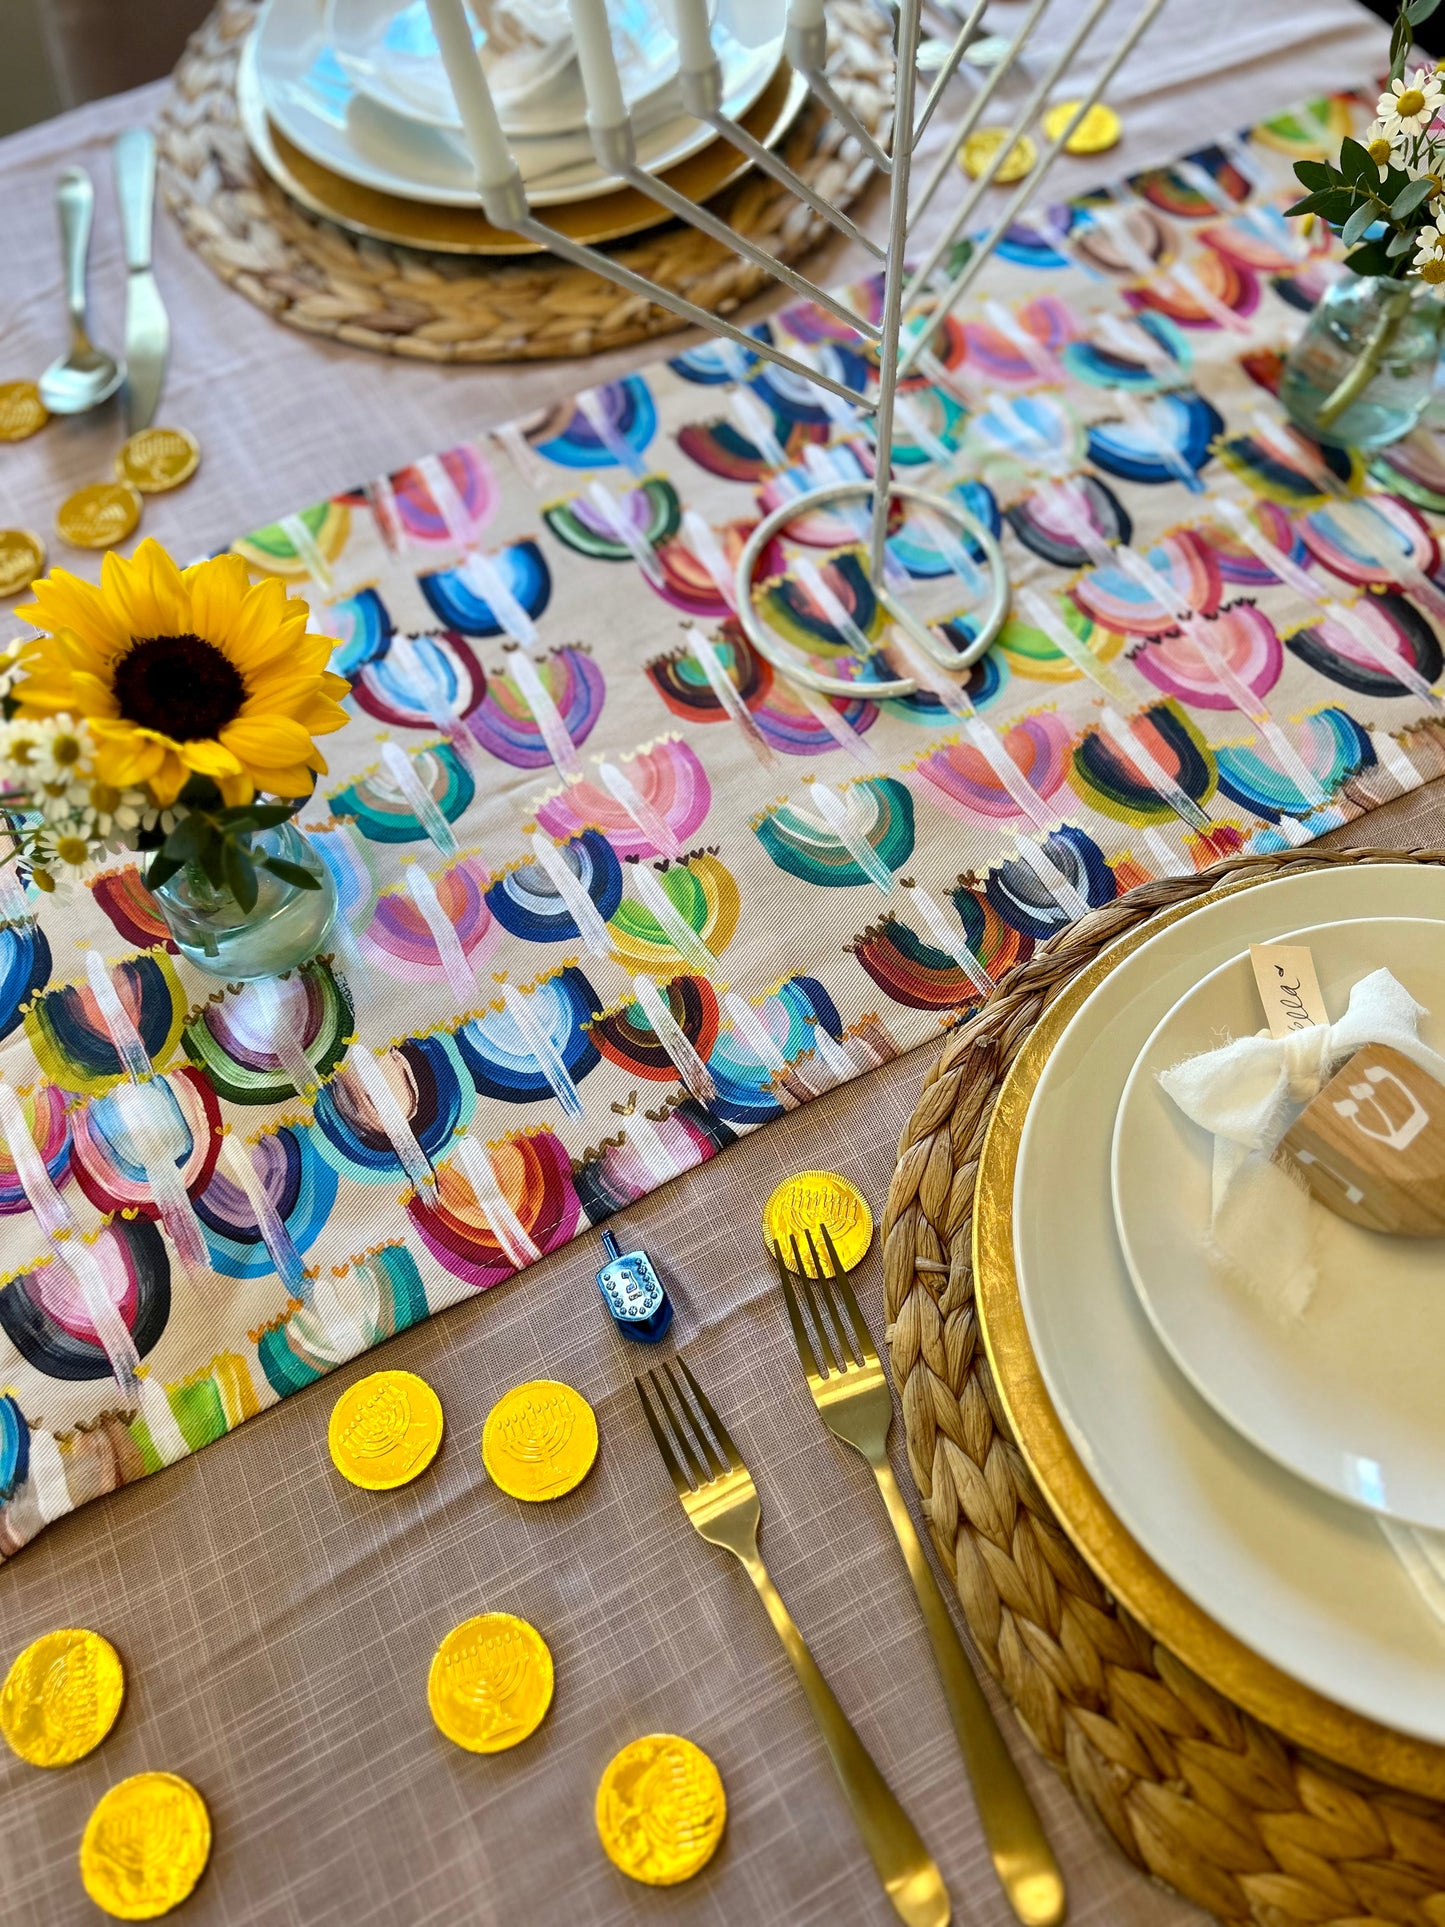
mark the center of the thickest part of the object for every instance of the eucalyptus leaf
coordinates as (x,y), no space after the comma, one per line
(1354,229)
(1400,242)
(1370,259)
(161,869)
(291,873)
(1405,203)
(240,875)
(184,841)
(1356,166)
(1419,10)
(1315,174)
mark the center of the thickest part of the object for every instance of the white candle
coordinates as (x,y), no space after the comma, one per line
(491,156)
(805,13)
(600,80)
(694,36)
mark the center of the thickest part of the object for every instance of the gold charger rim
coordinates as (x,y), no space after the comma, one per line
(443,229)
(1166,1612)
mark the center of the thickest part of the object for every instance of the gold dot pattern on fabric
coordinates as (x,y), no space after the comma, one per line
(661,1809)
(490,1682)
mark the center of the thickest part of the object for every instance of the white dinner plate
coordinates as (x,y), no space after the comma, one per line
(319,110)
(1348,1395)
(1305,1580)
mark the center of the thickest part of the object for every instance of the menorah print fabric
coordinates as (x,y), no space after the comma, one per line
(614,891)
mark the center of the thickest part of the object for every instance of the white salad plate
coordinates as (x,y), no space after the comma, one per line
(388,52)
(1349,1393)
(1305,1580)
(318,108)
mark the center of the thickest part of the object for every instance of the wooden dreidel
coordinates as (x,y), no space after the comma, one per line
(1371,1145)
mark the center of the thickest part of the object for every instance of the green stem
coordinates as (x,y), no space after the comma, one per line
(1367,363)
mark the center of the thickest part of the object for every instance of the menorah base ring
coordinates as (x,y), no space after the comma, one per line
(787,659)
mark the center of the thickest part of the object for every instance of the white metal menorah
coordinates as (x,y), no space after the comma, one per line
(914,303)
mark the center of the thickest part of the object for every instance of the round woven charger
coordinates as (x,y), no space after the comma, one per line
(319,277)
(1194,1790)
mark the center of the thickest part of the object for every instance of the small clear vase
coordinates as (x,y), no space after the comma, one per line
(285,925)
(1360,375)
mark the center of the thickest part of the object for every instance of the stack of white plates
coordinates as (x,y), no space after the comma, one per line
(345,101)
(1185,1429)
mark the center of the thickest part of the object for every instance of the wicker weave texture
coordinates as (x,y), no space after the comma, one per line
(324,280)
(1192,1789)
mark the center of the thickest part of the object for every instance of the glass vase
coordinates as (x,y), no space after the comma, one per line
(284,926)
(1361,373)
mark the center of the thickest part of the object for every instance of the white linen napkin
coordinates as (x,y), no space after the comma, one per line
(1247,1093)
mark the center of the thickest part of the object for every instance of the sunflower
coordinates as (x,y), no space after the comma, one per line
(183,672)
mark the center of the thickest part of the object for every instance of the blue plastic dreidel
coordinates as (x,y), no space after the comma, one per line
(640,1308)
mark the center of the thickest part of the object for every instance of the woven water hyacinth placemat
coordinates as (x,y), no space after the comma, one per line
(1252,1822)
(316,276)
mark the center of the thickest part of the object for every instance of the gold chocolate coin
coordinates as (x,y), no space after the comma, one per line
(812,1199)
(385,1430)
(22,557)
(145,1846)
(22,411)
(1096,133)
(61,1696)
(98,515)
(661,1809)
(539,1440)
(157,459)
(490,1682)
(975,157)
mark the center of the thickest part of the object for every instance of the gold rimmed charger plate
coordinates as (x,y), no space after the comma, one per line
(462,230)
(1121,1564)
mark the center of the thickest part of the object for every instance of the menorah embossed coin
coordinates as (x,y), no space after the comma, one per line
(61,1696)
(490,1682)
(384,1430)
(539,1440)
(145,1846)
(661,1809)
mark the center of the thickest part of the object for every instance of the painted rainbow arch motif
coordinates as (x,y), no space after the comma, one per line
(429,1079)
(534,1173)
(702,891)
(459,601)
(69,1038)
(503,723)
(301,1186)
(229,1038)
(497,1059)
(525,901)
(803,846)
(43,1314)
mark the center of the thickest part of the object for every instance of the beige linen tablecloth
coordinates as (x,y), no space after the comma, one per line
(277,1624)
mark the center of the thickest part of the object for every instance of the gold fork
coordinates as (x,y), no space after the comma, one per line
(721,1501)
(853,1399)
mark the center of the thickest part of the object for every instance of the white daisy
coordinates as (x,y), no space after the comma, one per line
(65,752)
(1409,106)
(114,817)
(1380,148)
(62,850)
(1429,260)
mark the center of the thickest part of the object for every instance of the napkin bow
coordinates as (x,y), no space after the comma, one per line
(1247,1093)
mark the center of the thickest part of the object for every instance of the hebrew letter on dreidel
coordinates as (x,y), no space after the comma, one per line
(1371,1146)
(1396,1137)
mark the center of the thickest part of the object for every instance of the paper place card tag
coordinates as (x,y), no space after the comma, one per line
(1288,987)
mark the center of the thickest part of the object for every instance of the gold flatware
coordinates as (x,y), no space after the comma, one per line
(721,1502)
(852,1395)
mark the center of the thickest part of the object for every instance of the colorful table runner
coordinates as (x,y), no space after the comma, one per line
(615,892)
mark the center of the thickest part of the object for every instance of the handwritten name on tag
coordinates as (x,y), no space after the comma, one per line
(1288,987)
